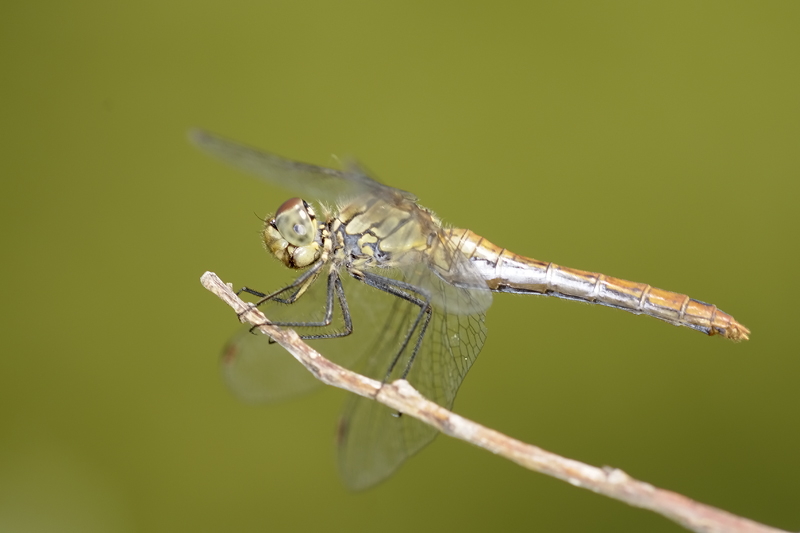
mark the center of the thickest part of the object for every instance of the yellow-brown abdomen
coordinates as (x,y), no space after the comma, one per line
(505,271)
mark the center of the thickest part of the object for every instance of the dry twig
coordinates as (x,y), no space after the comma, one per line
(401,396)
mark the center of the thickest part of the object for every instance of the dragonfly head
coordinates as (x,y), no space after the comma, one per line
(293,235)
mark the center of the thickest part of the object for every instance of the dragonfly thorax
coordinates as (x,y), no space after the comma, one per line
(293,234)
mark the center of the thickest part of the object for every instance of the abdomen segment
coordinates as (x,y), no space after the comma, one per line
(505,271)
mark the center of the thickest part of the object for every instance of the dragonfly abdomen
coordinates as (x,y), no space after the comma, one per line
(505,271)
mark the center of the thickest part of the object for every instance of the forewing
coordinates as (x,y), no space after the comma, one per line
(319,183)
(372,440)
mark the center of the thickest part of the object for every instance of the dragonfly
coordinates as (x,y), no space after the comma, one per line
(403,295)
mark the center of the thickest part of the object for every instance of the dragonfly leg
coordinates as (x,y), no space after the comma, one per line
(428,314)
(273,297)
(248,290)
(406,292)
(335,292)
(302,282)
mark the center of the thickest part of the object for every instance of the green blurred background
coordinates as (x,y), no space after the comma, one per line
(658,143)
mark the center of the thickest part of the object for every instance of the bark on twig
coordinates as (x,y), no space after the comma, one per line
(401,396)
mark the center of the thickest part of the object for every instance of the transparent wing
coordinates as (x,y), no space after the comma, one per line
(315,182)
(257,371)
(372,441)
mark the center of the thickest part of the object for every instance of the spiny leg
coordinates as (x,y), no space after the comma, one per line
(306,277)
(335,291)
(424,329)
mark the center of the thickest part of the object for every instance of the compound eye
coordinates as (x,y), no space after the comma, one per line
(295,222)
